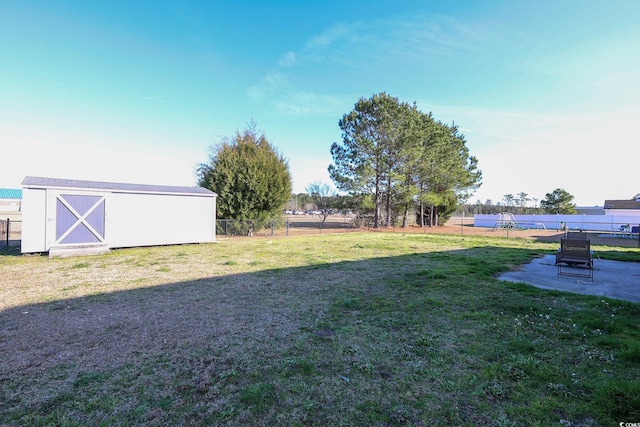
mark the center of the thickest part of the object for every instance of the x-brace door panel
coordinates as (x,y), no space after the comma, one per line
(79,219)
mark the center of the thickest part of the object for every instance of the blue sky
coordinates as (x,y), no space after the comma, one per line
(546,92)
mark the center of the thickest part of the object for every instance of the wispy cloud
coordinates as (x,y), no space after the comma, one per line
(363,47)
(432,38)
(400,40)
(289,100)
(331,36)
(287,60)
(269,85)
(306,103)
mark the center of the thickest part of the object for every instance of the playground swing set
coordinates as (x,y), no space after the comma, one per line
(507,221)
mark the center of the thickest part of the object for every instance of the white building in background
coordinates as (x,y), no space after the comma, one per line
(10,200)
(67,217)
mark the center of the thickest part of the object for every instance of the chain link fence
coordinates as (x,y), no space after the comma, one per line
(10,233)
(291,225)
(287,226)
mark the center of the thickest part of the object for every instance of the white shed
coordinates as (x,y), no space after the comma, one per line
(67,217)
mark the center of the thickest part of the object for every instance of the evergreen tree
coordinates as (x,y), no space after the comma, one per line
(374,141)
(558,202)
(252,180)
(447,171)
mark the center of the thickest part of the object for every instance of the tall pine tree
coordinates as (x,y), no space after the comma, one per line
(397,156)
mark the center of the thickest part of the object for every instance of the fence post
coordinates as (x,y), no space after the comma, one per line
(287,226)
(8,231)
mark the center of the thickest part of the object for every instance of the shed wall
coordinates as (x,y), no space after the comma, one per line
(150,219)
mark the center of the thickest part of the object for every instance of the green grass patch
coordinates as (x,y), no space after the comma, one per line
(81,265)
(258,397)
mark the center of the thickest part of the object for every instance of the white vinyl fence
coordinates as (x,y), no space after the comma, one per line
(604,223)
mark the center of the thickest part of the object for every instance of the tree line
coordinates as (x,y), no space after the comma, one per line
(559,201)
(393,161)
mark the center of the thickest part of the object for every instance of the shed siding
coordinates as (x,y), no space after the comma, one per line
(34,221)
(158,220)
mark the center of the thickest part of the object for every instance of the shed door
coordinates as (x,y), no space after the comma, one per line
(79,219)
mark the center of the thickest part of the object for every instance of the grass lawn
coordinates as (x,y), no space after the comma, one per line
(358,329)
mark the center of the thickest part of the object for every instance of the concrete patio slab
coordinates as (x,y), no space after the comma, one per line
(612,279)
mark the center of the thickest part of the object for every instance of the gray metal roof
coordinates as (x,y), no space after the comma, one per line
(39,182)
(10,193)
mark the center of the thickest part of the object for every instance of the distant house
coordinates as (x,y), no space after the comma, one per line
(69,217)
(622,207)
(10,200)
